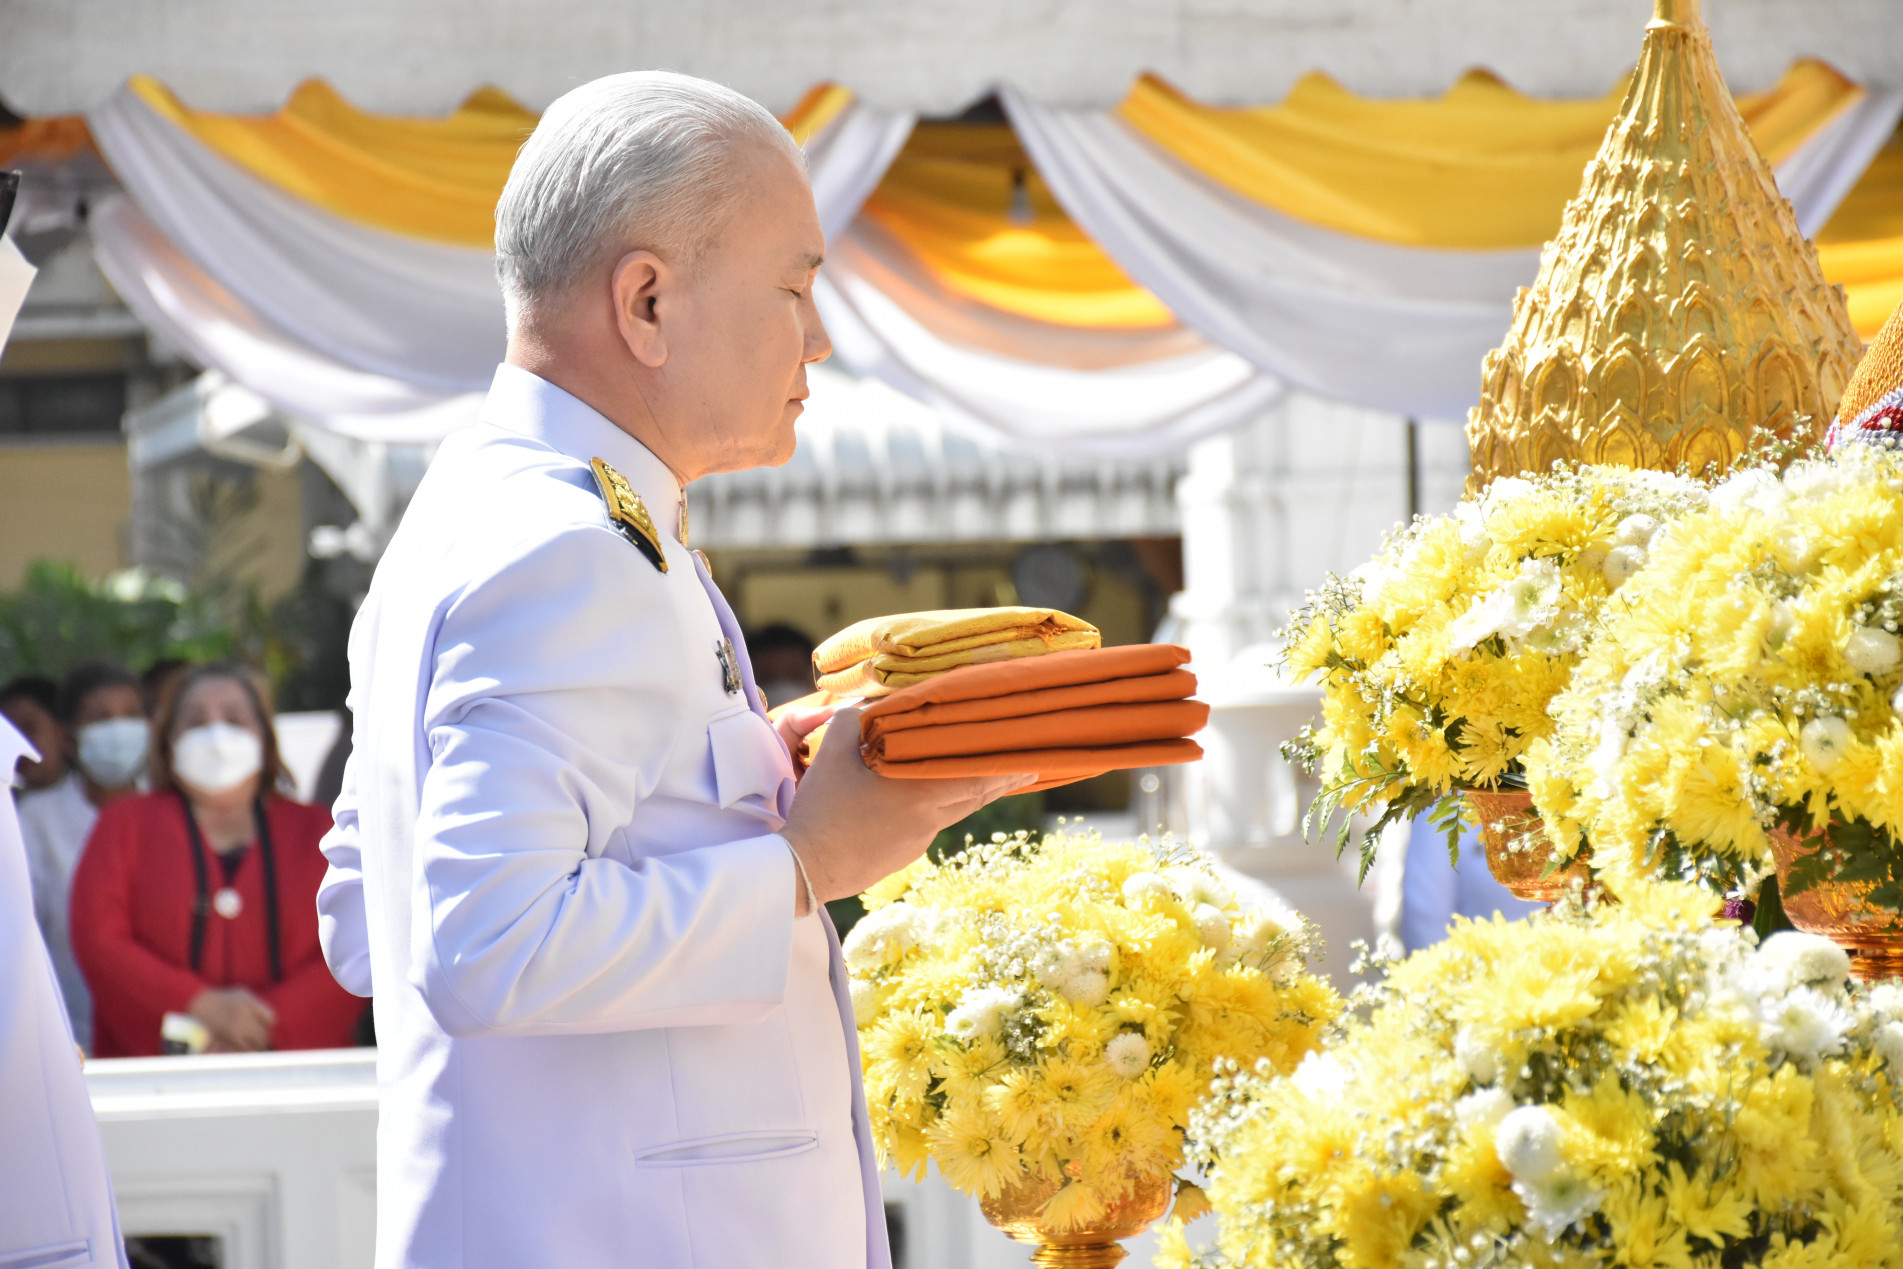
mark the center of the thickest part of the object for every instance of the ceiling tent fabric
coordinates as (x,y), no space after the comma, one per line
(1354,317)
(1120,281)
(1481,167)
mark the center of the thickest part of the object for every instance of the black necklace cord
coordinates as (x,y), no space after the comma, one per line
(201,902)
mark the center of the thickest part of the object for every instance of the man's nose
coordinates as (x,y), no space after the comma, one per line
(819,345)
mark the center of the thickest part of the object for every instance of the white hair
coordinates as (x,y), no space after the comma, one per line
(638,160)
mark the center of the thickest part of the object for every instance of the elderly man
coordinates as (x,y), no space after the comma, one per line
(568,861)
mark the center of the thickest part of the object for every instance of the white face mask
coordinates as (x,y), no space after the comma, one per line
(217,756)
(112,750)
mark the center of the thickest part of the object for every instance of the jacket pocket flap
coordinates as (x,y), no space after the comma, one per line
(749,760)
(738,1147)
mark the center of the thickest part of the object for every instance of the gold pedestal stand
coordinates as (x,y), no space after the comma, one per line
(1018,1210)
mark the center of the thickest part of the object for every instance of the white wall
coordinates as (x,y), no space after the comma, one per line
(423,55)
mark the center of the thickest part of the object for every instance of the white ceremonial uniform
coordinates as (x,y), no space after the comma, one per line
(56,1209)
(604,1039)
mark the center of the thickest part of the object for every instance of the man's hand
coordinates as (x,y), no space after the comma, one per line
(795,723)
(852,827)
(238,1021)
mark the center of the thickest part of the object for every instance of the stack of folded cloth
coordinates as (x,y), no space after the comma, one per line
(887,653)
(1063,717)
(984,692)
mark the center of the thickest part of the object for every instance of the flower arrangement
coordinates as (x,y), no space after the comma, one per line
(1747,680)
(1629,1085)
(1438,658)
(1050,1010)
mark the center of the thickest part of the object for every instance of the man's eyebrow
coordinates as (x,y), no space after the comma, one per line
(811,261)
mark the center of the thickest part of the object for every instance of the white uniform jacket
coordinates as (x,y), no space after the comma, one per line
(604,1039)
(56,1207)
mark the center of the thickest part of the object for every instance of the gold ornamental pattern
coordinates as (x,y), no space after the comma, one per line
(1679,312)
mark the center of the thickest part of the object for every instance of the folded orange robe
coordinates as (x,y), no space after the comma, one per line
(1062,717)
(1094,727)
(884,653)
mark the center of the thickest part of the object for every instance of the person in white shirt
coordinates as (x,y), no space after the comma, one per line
(569,863)
(56,1207)
(104,714)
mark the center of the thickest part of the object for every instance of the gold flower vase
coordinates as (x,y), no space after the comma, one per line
(1518,852)
(1841,912)
(1019,1212)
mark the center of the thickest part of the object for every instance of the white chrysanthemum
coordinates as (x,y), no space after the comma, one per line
(1055,965)
(981,1012)
(1321,1075)
(1139,886)
(1621,563)
(1483,1109)
(865,1000)
(1212,926)
(1803,1023)
(1528,1141)
(1473,528)
(1480,622)
(1263,927)
(1800,960)
(1372,577)
(1886,999)
(1753,489)
(1872,650)
(1087,987)
(883,936)
(1812,478)
(1888,1042)
(1558,1202)
(1128,1054)
(1824,741)
(1507,489)
(1481,1062)
(1636,530)
(1095,953)
(1533,598)
(1196,887)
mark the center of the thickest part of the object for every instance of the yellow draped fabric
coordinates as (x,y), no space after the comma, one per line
(1480,167)
(1862,246)
(427,178)
(949,199)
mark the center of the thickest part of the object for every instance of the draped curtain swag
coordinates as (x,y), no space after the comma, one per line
(1114,280)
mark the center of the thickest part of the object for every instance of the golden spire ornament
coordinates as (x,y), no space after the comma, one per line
(1680,312)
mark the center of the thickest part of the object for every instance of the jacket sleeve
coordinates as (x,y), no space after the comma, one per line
(342,927)
(549,677)
(124,975)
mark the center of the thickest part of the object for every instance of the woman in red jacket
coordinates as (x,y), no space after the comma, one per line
(201,897)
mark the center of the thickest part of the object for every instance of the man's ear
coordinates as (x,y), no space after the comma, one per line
(642,284)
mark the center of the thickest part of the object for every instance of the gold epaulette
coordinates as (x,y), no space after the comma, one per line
(627,513)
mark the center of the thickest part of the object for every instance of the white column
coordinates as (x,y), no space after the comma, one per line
(1267,511)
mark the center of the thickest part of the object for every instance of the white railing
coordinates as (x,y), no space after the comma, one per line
(274,1156)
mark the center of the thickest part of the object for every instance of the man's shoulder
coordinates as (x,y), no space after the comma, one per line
(492,497)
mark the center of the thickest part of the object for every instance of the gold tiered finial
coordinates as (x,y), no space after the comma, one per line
(1680,311)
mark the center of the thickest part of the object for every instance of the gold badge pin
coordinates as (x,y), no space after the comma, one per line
(628,514)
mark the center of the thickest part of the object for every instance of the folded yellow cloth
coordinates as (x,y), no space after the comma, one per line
(881,654)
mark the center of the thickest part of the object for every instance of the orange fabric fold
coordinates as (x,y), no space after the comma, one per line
(1050,766)
(1172,685)
(1097,726)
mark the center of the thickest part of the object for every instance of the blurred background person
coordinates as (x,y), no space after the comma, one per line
(107,737)
(200,897)
(158,681)
(782,658)
(31,703)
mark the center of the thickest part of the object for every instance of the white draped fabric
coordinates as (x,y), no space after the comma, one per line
(1393,328)
(174,297)
(422,312)
(373,334)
